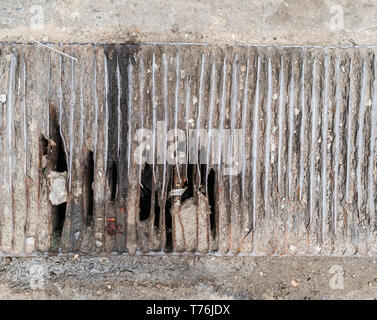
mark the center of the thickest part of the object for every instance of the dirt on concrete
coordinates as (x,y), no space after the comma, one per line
(279,22)
(187,277)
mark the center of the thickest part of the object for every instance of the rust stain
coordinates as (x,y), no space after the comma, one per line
(111,227)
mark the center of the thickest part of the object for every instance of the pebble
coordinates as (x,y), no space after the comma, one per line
(3,98)
(294,283)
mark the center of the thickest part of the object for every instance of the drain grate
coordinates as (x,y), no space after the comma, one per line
(99,151)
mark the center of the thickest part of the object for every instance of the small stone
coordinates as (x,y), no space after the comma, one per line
(3,98)
(98,244)
(58,190)
(52,142)
(75,257)
(294,283)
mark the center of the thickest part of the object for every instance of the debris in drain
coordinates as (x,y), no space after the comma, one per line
(57,187)
(176,192)
(191,225)
(3,98)
(111,226)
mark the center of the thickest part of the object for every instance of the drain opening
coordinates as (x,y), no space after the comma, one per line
(61,211)
(212,201)
(58,211)
(145,193)
(168,217)
(203,178)
(189,183)
(89,174)
(61,164)
(43,145)
(156,211)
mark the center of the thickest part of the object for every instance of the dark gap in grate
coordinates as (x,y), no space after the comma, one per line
(61,165)
(203,179)
(113,180)
(156,211)
(89,187)
(189,184)
(145,193)
(44,145)
(60,219)
(168,217)
(212,201)
(58,211)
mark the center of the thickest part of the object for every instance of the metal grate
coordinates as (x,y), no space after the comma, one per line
(284,163)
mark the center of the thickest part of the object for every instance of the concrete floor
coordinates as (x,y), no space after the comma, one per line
(278,22)
(187,277)
(292,22)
